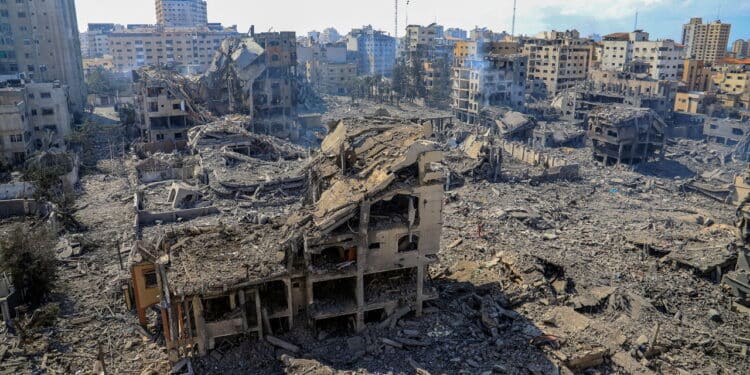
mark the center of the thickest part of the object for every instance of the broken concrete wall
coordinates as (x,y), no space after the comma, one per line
(22,207)
(150,218)
(17,190)
(533,157)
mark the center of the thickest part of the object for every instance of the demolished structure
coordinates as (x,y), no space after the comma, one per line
(253,76)
(607,87)
(165,108)
(622,134)
(342,239)
(484,82)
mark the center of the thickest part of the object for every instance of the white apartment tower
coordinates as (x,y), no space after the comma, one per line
(664,58)
(706,41)
(181,13)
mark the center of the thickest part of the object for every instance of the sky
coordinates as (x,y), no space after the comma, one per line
(663,19)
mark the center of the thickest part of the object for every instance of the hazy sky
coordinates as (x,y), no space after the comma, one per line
(662,18)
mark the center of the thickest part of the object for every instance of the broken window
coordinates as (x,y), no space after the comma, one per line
(273,297)
(401,209)
(150,278)
(334,258)
(216,309)
(408,243)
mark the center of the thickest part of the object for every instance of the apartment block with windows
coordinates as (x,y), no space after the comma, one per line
(664,57)
(33,117)
(39,40)
(15,132)
(557,61)
(181,13)
(706,41)
(192,48)
(162,113)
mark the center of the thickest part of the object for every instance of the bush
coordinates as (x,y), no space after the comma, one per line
(28,255)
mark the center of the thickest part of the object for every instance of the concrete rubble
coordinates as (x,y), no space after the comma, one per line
(408,242)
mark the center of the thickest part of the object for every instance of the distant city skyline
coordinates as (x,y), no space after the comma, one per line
(661,18)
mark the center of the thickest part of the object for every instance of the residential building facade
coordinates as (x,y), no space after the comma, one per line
(33,116)
(193,48)
(741,48)
(557,61)
(41,42)
(15,132)
(696,74)
(181,13)
(95,40)
(664,57)
(491,81)
(705,41)
(375,51)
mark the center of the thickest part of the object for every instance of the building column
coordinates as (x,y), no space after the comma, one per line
(364,223)
(420,288)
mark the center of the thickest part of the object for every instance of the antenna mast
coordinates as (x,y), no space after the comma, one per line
(395,31)
(513,26)
(635,26)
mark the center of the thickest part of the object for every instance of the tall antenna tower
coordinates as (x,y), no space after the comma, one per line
(395,31)
(635,25)
(513,26)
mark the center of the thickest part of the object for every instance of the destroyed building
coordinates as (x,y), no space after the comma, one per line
(622,134)
(254,76)
(629,88)
(164,108)
(340,240)
(491,81)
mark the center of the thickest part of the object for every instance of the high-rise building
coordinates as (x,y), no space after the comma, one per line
(375,51)
(181,13)
(557,61)
(741,48)
(663,57)
(707,42)
(41,41)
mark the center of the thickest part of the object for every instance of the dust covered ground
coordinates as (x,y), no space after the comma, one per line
(534,278)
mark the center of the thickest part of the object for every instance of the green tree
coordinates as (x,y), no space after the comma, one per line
(399,79)
(416,79)
(99,82)
(28,255)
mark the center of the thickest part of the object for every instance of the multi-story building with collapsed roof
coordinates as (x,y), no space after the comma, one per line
(490,81)
(338,239)
(623,134)
(164,109)
(632,87)
(253,76)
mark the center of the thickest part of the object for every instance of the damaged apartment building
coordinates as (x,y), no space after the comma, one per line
(633,87)
(334,241)
(489,81)
(253,76)
(164,109)
(625,135)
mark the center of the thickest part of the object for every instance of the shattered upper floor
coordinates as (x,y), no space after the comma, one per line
(358,164)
